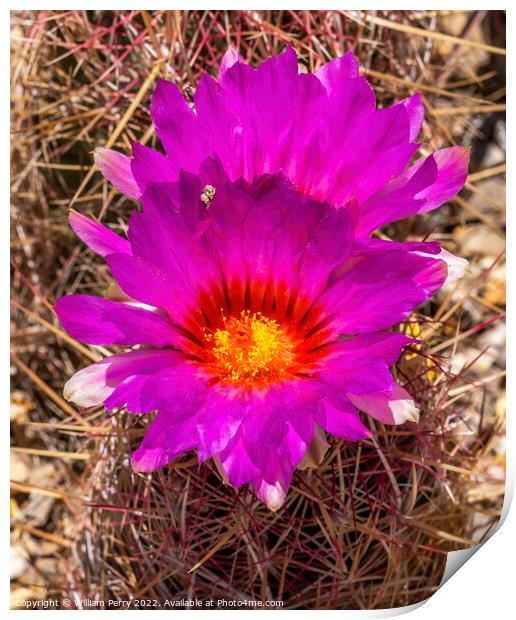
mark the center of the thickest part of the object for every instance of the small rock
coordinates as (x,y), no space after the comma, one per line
(479,239)
(47,566)
(493,189)
(18,562)
(494,340)
(44,475)
(494,156)
(36,510)
(38,547)
(495,292)
(472,358)
(20,471)
(20,406)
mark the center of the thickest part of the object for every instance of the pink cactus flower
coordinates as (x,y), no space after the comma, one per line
(252,287)
(258,319)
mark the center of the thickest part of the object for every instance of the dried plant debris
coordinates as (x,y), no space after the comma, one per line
(371,526)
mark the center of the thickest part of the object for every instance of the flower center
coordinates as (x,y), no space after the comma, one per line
(250,350)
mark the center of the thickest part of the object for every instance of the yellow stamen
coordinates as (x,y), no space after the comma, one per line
(251,349)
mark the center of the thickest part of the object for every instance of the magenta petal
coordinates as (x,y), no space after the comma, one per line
(116,167)
(142,365)
(342,420)
(236,462)
(178,389)
(272,495)
(217,423)
(177,127)
(384,345)
(228,60)
(330,243)
(273,473)
(427,248)
(299,433)
(265,427)
(390,403)
(272,487)
(282,65)
(452,171)
(430,249)
(148,166)
(99,238)
(332,73)
(397,200)
(350,114)
(99,321)
(359,375)
(222,125)
(258,121)
(456,265)
(117,380)
(278,427)
(164,440)
(393,406)
(304,248)
(391,280)
(380,138)
(358,308)
(360,366)
(144,281)
(416,113)
(424,186)
(168,234)
(178,393)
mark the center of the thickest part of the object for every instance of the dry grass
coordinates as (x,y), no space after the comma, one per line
(371,527)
